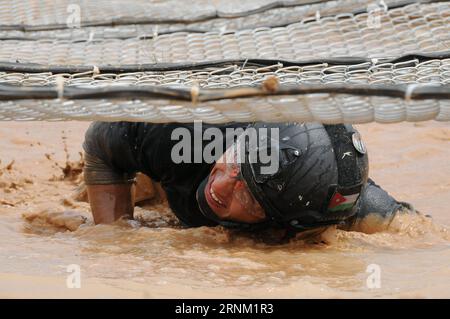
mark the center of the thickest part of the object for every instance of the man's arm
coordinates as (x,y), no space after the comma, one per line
(109,187)
(114,153)
(110,194)
(111,202)
(376,210)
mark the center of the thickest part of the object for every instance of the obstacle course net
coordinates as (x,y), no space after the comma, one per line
(262,60)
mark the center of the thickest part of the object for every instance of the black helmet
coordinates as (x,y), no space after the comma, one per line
(322,169)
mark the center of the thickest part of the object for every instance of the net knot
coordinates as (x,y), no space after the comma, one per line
(271,84)
(409,91)
(60,86)
(195,91)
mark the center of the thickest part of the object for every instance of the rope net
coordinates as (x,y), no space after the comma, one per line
(125,27)
(260,60)
(35,15)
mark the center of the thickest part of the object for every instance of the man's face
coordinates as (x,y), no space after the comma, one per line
(227,193)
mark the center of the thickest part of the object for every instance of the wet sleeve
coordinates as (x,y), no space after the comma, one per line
(109,153)
(376,210)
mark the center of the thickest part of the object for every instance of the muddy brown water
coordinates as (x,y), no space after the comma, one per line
(43,230)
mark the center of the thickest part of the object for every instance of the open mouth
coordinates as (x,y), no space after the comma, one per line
(212,197)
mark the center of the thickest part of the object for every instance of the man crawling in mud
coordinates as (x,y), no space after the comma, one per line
(294,177)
